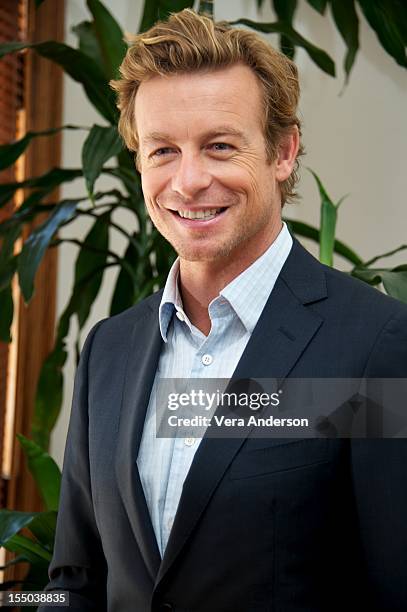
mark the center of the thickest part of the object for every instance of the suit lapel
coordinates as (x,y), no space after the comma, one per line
(142,363)
(284,329)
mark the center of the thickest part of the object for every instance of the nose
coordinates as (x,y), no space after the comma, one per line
(191,176)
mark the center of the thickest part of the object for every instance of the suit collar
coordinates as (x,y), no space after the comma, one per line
(304,275)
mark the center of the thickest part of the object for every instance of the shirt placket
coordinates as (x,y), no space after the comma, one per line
(184,448)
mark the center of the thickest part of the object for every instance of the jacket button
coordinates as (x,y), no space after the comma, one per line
(166,607)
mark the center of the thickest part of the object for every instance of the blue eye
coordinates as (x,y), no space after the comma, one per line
(221,146)
(163,151)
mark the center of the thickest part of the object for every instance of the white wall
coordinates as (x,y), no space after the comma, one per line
(355,141)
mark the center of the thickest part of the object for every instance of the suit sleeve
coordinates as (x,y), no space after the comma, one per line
(78,564)
(379,471)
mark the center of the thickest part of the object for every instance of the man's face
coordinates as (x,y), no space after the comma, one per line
(202,152)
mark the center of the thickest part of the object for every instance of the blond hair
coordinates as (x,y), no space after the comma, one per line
(190,42)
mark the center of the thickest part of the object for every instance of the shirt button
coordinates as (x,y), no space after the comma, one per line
(207,359)
(170,523)
(189,441)
(180,315)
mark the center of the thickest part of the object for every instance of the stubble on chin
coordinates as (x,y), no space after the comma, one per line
(207,248)
(202,253)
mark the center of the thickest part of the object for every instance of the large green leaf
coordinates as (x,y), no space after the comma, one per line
(347,22)
(7,245)
(394,280)
(11,521)
(49,394)
(160,9)
(328,218)
(110,37)
(285,11)
(319,56)
(124,291)
(44,470)
(9,153)
(41,524)
(89,44)
(172,6)
(30,550)
(145,280)
(7,191)
(101,144)
(7,270)
(130,179)
(388,19)
(399,12)
(43,527)
(318,5)
(89,265)
(80,67)
(38,242)
(16,221)
(8,261)
(150,15)
(164,254)
(45,183)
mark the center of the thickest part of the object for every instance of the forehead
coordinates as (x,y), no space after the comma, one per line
(186,104)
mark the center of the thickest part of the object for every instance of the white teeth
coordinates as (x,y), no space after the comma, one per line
(199,214)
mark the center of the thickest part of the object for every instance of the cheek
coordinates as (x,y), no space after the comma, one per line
(148,184)
(253,175)
(154,181)
(150,192)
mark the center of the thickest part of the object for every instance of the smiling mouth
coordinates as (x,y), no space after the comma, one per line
(199,215)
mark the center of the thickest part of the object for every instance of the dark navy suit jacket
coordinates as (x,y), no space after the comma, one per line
(263,525)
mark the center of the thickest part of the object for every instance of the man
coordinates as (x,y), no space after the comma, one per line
(232,524)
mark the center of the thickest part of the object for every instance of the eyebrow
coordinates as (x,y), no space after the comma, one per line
(223,130)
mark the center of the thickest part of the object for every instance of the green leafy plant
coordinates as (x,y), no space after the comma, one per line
(393,279)
(387,18)
(31,535)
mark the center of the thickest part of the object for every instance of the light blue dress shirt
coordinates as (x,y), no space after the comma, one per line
(164,463)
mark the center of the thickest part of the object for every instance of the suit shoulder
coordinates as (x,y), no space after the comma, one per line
(118,328)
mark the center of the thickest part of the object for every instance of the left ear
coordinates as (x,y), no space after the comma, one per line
(287,153)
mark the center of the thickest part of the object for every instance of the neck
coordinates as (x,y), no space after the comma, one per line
(201,281)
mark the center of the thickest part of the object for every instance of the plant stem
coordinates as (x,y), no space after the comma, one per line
(393,252)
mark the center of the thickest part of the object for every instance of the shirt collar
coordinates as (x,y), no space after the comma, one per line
(170,300)
(247,293)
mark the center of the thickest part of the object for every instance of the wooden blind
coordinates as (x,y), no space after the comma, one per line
(22,76)
(13,26)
